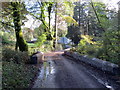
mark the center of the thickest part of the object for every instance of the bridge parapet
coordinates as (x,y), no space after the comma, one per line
(95,62)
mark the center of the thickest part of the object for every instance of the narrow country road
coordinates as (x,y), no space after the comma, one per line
(58,71)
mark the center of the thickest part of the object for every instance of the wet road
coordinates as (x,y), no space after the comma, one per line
(60,72)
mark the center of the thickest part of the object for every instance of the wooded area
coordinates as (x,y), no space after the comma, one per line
(93,29)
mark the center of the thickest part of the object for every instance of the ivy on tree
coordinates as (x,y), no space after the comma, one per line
(20,42)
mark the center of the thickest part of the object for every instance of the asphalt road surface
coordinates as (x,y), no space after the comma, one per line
(58,71)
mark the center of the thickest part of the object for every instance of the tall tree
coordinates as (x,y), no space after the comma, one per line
(12,19)
(55,29)
(73,30)
(40,10)
(20,42)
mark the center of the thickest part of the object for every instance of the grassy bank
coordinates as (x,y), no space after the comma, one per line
(17,75)
(15,72)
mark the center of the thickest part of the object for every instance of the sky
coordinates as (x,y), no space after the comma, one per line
(31,24)
(112,3)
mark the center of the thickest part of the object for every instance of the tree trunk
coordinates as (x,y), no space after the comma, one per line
(17,25)
(55,34)
(87,32)
(79,12)
(49,14)
(16,46)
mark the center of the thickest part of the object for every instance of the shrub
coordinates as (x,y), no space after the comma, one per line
(106,48)
(17,75)
(87,46)
(41,40)
(15,56)
(22,57)
(8,54)
(110,49)
(74,49)
(7,38)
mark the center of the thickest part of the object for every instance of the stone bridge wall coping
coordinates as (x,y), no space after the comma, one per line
(100,64)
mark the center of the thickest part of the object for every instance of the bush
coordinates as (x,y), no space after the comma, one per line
(106,48)
(7,38)
(15,56)
(110,50)
(41,40)
(87,46)
(17,75)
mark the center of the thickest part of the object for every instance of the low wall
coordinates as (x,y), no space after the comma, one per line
(37,58)
(100,64)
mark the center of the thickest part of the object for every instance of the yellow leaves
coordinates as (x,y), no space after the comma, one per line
(20,34)
(70,20)
(88,39)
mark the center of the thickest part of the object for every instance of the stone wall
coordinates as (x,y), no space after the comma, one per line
(100,64)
